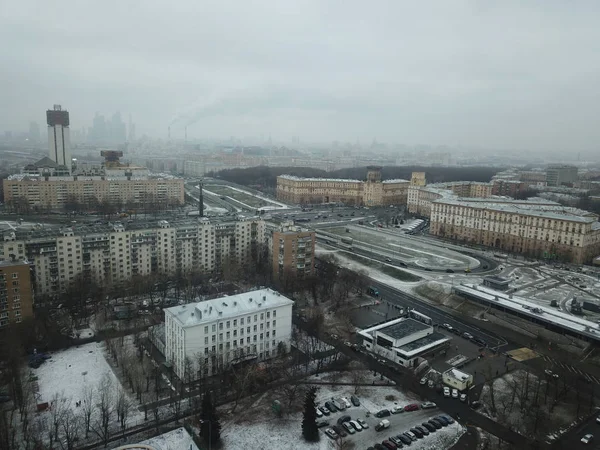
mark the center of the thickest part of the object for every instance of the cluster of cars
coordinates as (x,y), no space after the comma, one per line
(418,432)
(454,394)
(408,408)
(345,426)
(465,334)
(335,405)
(37,359)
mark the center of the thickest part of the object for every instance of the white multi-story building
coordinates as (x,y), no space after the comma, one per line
(202,337)
(111,254)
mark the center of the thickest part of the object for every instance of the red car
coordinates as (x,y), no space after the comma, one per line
(389,445)
(411,407)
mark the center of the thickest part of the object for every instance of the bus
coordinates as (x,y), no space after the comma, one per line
(347,240)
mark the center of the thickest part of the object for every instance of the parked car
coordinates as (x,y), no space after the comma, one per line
(356,425)
(346,402)
(480,342)
(587,438)
(423,381)
(429,427)
(343,419)
(355,401)
(331,407)
(446,391)
(397,410)
(411,407)
(396,440)
(322,423)
(324,410)
(405,439)
(435,423)
(428,405)
(340,405)
(430,384)
(382,425)
(449,419)
(411,435)
(339,430)
(331,433)
(468,336)
(318,412)
(349,428)
(417,433)
(463,397)
(442,420)
(382,413)
(454,393)
(475,404)
(423,431)
(363,423)
(389,445)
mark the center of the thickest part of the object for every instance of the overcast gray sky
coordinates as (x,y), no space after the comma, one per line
(479,73)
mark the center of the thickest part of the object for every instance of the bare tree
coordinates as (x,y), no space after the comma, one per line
(105,408)
(123,407)
(59,407)
(358,378)
(87,405)
(71,430)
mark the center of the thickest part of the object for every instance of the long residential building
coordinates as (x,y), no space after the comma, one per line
(535,228)
(372,192)
(16,299)
(113,254)
(204,337)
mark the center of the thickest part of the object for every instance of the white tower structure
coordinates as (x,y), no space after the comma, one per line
(59,138)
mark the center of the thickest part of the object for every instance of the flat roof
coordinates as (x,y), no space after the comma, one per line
(423,344)
(9,263)
(221,308)
(457,374)
(403,328)
(496,279)
(550,315)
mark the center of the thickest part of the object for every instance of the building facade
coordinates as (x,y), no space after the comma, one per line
(16,295)
(560,175)
(113,254)
(536,228)
(293,253)
(372,192)
(52,193)
(213,334)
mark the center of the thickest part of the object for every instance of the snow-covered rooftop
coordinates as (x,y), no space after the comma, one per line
(396,180)
(518,304)
(235,305)
(335,180)
(457,375)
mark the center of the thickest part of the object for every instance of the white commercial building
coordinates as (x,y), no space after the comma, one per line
(214,334)
(405,341)
(457,379)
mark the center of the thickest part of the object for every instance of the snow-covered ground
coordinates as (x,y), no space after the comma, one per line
(178,439)
(262,430)
(69,372)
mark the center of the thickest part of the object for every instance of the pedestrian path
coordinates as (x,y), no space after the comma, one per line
(572,369)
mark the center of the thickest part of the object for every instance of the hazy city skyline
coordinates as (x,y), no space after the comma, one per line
(502,75)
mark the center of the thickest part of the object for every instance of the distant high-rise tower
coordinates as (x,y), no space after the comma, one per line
(59,139)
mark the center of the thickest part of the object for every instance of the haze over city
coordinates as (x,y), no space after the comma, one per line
(493,75)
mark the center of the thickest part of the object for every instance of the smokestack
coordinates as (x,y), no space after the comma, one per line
(169,132)
(201,202)
(185,134)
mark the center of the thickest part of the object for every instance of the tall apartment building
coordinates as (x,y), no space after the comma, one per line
(59,138)
(293,252)
(16,298)
(113,254)
(372,192)
(536,228)
(559,175)
(216,333)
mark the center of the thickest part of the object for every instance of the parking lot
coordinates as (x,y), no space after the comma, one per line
(377,398)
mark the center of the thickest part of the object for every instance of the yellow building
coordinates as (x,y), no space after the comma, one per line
(538,229)
(16,295)
(293,253)
(54,192)
(372,192)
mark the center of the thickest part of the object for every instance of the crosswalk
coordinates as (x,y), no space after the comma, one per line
(572,369)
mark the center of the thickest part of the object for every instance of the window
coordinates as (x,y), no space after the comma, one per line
(261,326)
(220,336)
(214,338)
(262,316)
(248,330)
(15,275)
(235,323)
(255,329)
(267,334)
(274,323)
(273,333)
(242,321)
(214,328)
(228,335)
(261,336)
(205,340)
(274,313)
(206,329)
(206,352)
(255,317)
(228,324)
(268,314)
(234,333)
(221,326)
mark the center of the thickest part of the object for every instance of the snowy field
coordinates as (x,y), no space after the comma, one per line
(264,431)
(178,439)
(70,371)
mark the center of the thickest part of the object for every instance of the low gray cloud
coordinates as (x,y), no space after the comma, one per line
(491,74)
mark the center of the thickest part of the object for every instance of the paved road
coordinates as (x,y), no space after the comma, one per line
(406,380)
(572,439)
